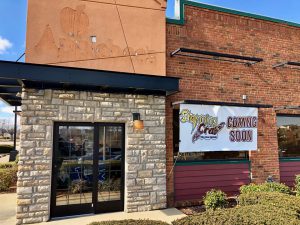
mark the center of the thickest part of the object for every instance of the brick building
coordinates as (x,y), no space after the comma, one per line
(218,30)
(100,121)
(93,114)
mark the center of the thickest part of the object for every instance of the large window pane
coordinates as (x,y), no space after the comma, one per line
(110,163)
(288,134)
(74,165)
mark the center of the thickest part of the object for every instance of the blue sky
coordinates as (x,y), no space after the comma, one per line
(280,9)
(13,24)
(12,42)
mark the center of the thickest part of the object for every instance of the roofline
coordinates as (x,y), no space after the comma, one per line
(49,66)
(183,3)
(15,75)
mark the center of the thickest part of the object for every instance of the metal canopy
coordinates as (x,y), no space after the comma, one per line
(288,63)
(196,102)
(14,76)
(216,56)
(287,107)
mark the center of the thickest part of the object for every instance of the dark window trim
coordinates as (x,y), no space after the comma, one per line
(287,115)
(99,207)
(209,162)
(287,159)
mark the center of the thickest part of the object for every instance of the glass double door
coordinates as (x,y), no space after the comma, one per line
(88,169)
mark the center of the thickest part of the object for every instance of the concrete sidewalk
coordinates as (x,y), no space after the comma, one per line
(166,215)
(8,214)
(4,159)
(8,209)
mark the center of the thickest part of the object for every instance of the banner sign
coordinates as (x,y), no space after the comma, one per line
(205,128)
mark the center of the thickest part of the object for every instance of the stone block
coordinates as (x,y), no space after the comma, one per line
(106,104)
(24,190)
(66,96)
(26,128)
(145,173)
(21,202)
(32,220)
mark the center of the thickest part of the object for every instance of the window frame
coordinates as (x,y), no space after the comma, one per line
(293,158)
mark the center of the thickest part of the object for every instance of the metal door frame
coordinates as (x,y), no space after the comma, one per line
(95,206)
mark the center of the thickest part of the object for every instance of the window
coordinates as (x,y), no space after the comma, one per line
(288,134)
(199,156)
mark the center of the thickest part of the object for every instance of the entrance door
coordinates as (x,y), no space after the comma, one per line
(88,167)
(110,170)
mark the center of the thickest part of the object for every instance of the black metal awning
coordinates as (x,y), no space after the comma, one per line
(197,102)
(287,63)
(14,76)
(200,54)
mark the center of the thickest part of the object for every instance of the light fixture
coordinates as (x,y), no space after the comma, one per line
(138,124)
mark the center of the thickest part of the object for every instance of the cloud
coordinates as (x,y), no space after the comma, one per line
(4,45)
(7,109)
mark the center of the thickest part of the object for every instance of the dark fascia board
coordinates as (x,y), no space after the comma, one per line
(10,90)
(9,83)
(87,77)
(180,21)
(11,100)
(197,102)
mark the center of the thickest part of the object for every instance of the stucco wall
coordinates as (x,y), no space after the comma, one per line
(130,34)
(145,153)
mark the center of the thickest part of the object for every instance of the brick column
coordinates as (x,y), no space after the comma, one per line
(265,161)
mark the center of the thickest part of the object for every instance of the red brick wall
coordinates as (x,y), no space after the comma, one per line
(223,81)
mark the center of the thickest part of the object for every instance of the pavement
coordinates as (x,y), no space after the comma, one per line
(8,214)
(4,159)
(8,209)
(166,215)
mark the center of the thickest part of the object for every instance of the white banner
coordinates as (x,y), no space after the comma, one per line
(205,128)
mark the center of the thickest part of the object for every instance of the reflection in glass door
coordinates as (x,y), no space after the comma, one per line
(110,163)
(88,167)
(73,168)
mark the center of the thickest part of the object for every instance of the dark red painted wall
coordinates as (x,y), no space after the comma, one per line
(192,182)
(288,171)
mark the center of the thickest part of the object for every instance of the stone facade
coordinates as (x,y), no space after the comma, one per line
(145,152)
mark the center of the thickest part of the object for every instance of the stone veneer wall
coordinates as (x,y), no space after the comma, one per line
(145,157)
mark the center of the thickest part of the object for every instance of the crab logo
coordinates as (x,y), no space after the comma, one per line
(205,132)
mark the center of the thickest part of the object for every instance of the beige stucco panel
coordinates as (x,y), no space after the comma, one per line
(140,31)
(62,31)
(113,64)
(153,4)
(102,1)
(150,64)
